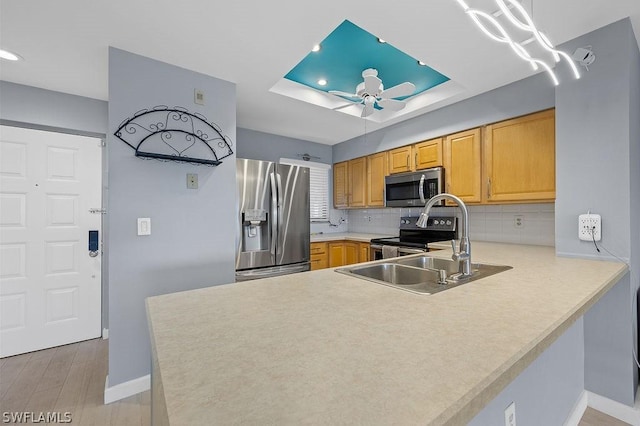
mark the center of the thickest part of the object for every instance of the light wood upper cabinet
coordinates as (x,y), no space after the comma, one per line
(340,185)
(428,154)
(376,171)
(400,160)
(463,165)
(357,173)
(519,158)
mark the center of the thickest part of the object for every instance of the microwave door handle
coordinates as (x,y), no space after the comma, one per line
(421,190)
(274,216)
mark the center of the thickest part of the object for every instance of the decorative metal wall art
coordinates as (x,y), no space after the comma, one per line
(175,134)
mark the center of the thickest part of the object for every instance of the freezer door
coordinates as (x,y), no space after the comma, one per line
(293,214)
(257,212)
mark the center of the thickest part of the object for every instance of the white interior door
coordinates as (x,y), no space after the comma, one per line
(50,286)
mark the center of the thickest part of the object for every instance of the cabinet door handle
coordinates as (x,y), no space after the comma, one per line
(416,160)
(489,188)
(408,162)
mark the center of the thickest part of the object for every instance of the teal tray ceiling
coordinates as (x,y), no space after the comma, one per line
(348,51)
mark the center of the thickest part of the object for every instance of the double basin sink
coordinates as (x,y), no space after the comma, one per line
(421,273)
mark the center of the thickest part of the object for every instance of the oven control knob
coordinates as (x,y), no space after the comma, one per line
(436,222)
(448,223)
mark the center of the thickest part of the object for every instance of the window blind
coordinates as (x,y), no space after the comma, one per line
(318,187)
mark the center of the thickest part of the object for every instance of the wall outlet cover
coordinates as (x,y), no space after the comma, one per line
(192,180)
(518,221)
(589,227)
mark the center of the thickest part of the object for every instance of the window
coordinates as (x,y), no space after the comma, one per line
(318,187)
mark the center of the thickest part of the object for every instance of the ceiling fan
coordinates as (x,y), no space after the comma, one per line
(371,92)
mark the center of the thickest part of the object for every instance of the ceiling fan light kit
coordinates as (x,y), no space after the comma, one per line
(371,93)
(522,21)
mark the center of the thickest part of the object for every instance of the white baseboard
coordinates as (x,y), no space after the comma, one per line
(615,409)
(126,389)
(105,333)
(578,410)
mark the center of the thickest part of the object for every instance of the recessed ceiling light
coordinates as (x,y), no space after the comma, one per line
(322,82)
(9,56)
(315,48)
(421,63)
(381,40)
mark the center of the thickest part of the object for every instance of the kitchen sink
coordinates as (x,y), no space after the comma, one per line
(450,266)
(421,274)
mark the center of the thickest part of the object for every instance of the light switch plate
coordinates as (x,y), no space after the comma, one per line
(510,415)
(144,226)
(198,97)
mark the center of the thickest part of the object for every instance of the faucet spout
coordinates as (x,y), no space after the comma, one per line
(463,255)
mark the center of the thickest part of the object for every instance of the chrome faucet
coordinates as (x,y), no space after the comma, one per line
(463,255)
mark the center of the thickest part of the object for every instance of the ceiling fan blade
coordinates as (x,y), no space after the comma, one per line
(367,110)
(402,89)
(343,94)
(372,84)
(392,104)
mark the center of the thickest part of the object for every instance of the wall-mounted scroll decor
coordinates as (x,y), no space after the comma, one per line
(174,134)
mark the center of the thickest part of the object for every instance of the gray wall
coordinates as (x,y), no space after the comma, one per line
(192,230)
(597,168)
(634,162)
(268,147)
(48,110)
(34,108)
(547,390)
(519,98)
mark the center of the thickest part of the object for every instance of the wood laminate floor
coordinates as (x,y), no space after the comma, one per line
(68,379)
(71,379)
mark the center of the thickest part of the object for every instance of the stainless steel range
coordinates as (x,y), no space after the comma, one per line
(413,239)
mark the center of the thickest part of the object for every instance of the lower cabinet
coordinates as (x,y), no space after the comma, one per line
(319,256)
(364,252)
(338,253)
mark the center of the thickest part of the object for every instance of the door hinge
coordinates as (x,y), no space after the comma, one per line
(98,211)
(103,143)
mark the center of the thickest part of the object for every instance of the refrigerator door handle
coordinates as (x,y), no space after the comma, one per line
(274,215)
(280,200)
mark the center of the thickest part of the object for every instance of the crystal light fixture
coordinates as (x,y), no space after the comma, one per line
(489,25)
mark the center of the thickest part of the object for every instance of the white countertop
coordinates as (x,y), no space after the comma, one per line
(353,236)
(323,348)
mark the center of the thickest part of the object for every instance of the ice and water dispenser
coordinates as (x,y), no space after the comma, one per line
(255,230)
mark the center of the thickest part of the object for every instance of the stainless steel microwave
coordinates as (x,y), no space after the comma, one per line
(413,189)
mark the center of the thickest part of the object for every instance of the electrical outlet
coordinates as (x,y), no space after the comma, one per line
(192,180)
(589,227)
(510,415)
(518,221)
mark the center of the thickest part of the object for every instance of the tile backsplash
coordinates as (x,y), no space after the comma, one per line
(486,223)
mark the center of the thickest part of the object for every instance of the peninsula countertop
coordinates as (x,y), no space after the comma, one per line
(323,348)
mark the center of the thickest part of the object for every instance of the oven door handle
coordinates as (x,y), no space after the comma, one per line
(405,251)
(421,190)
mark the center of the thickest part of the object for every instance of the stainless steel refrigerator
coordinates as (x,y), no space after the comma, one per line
(272,236)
